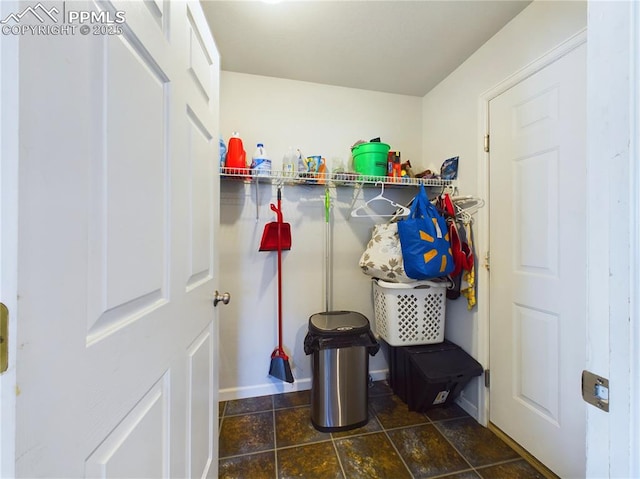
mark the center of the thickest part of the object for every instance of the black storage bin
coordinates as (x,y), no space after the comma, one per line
(400,370)
(431,375)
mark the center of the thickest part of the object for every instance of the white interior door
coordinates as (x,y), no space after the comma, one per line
(538,263)
(115,362)
(8,235)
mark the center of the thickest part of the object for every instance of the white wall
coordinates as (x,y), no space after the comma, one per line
(452,126)
(320,120)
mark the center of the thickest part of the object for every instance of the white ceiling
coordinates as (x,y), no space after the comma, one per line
(404,47)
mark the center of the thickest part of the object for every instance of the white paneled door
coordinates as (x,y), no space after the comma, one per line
(116,334)
(538,263)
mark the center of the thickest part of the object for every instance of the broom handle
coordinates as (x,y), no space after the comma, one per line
(327,256)
(279,274)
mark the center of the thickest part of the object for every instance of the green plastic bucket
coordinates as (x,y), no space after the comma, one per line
(370,158)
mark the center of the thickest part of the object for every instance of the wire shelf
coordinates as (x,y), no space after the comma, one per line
(327,179)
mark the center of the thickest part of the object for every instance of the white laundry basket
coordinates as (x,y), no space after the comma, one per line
(408,314)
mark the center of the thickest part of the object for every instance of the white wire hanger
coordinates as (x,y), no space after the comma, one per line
(466,206)
(360,211)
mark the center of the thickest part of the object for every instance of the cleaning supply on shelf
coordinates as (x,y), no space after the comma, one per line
(301,164)
(338,171)
(394,166)
(314,166)
(223,152)
(236,159)
(322,171)
(289,164)
(261,164)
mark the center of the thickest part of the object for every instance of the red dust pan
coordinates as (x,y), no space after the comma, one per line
(276,234)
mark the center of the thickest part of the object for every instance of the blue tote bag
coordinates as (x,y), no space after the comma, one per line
(424,240)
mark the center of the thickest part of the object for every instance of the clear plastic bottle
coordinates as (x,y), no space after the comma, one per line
(261,164)
(302,165)
(338,169)
(289,164)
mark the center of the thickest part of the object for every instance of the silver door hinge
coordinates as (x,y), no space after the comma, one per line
(487,378)
(487,263)
(486,143)
(595,390)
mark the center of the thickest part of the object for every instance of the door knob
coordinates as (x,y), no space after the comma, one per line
(224,297)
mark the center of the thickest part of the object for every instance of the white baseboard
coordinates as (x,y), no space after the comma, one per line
(265,389)
(467,405)
(278,387)
(380,375)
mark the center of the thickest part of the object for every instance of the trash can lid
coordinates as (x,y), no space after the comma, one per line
(338,322)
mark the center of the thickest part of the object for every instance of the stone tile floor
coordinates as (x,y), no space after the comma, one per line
(272,437)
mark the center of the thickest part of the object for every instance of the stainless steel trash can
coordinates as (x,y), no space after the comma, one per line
(339,343)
